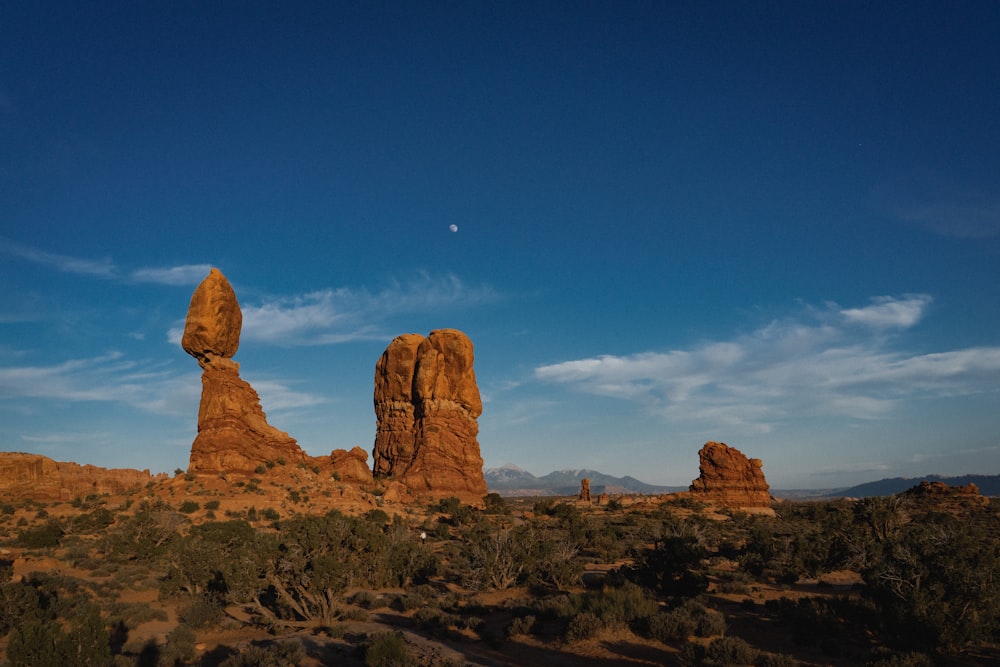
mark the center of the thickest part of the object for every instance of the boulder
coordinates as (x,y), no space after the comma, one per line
(351,466)
(214,319)
(729,479)
(426,405)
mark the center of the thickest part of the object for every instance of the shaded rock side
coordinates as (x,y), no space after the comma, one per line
(40,478)
(729,479)
(427,404)
(395,412)
(233,433)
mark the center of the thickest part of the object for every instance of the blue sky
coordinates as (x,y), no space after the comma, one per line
(771,224)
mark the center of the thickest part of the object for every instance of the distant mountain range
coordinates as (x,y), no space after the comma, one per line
(989,485)
(510,480)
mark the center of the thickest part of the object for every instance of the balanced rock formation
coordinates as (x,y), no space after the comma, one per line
(426,406)
(233,433)
(41,478)
(730,479)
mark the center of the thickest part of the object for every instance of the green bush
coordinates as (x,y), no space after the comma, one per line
(387,649)
(189,507)
(45,536)
(521,626)
(281,653)
(583,626)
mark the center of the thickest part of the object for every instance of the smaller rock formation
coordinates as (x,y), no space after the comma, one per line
(730,479)
(946,497)
(426,406)
(233,433)
(41,478)
(585,489)
(351,466)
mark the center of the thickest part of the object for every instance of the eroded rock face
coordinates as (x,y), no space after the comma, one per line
(233,433)
(585,489)
(426,406)
(729,479)
(41,478)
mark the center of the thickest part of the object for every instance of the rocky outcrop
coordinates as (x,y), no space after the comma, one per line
(351,466)
(233,433)
(729,479)
(40,478)
(426,406)
(946,497)
(585,489)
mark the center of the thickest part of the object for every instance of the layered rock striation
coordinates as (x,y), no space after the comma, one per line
(729,479)
(426,406)
(233,433)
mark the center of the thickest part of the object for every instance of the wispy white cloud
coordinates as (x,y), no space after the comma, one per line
(185,274)
(338,315)
(788,369)
(886,311)
(108,378)
(99,268)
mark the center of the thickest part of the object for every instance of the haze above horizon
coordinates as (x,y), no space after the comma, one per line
(660,224)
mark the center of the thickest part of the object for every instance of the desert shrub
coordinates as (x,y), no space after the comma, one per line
(270,514)
(583,626)
(613,606)
(673,566)
(495,559)
(179,647)
(730,651)
(281,653)
(188,507)
(387,649)
(45,536)
(377,516)
(355,614)
(93,521)
(50,642)
(690,618)
(522,625)
(365,599)
(212,505)
(203,611)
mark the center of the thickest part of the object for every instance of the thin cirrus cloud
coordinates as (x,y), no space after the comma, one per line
(789,369)
(100,268)
(186,274)
(146,386)
(338,315)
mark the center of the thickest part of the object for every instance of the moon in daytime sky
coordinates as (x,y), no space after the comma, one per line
(453,228)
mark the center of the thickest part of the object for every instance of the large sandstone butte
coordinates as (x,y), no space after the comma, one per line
(426,407)
(730,479)
(233,433)
(40,478)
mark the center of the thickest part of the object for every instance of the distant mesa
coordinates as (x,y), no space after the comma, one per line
(41,478)
(426,408)
(729,479)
